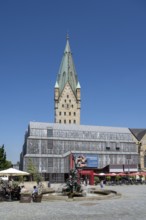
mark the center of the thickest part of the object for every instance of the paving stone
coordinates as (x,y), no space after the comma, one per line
(130,206)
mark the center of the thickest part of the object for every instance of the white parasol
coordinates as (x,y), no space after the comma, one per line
(13,172)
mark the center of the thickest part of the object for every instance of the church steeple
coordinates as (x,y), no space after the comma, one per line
(67,71)
(67,95)
(67,48)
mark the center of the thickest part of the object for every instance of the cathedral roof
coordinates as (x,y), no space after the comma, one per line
(67,72)
(138,133)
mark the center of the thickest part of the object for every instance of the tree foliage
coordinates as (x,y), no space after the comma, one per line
(31,168)
(4,163)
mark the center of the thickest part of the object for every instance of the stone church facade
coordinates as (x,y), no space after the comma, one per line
(67,95)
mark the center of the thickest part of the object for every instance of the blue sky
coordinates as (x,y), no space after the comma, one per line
(108,41)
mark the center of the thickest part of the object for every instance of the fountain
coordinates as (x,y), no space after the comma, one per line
(74,189)
(73,185)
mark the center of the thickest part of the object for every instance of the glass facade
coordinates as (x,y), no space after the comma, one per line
(50,145)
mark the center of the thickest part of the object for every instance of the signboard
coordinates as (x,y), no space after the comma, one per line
(86,160)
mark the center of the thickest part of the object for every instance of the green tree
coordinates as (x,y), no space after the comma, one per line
(96,180)
(31,168)
(4,163)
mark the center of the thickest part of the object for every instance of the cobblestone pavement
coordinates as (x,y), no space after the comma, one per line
(130,206)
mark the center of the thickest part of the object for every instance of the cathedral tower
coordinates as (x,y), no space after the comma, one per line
(67,95)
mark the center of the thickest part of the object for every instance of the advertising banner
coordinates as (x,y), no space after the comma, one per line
(86,160)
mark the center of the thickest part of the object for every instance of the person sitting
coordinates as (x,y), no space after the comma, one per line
(23,189)
(35,192)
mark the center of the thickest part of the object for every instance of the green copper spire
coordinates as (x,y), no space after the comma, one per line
(67,72)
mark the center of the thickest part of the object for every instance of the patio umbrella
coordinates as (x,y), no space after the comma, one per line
(142,173)
(110,174)
(101,174)
(121,174)
(13,172)
(133,174)
(95,174)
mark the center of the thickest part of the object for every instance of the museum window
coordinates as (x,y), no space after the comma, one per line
(64,113)
(69,121)
(62,105)
(74,121)
(74,113)
(70,113)
(59,113)
(65,100)
(64,121)
(50,162)
(60,121)
(50,132)
(67,96)
(70,100)
(107,148)
(72,106)
(50,144)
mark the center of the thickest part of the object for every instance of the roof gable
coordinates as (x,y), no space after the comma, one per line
(138,133)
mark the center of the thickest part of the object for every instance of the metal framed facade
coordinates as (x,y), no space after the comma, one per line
(50,145)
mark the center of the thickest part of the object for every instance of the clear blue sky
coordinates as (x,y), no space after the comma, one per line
(108,41)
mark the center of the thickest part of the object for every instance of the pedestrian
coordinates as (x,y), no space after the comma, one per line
(101,184)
